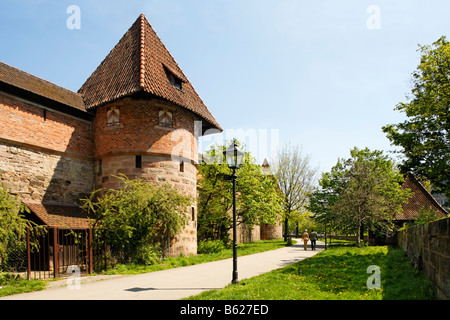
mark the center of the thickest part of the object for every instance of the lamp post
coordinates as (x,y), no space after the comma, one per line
(234,158)
(325,206)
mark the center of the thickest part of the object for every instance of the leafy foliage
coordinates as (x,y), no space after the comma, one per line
(13,227)
(257,199)
(365,189)
(424,136)
(139,215)
(210,246)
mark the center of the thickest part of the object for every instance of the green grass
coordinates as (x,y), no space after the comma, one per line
(13,285)
(339,273)
(182,261)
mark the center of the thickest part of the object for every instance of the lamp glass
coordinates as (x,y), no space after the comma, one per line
(234,156)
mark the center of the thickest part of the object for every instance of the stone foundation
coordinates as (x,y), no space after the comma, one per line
(44,176)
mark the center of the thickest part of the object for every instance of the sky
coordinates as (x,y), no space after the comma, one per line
(324,75)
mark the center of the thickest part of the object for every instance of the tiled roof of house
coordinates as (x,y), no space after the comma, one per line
(40,87)
(60,215)
(421,198)
(141,63)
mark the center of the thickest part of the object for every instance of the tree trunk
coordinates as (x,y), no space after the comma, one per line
(286,224)
(358,234)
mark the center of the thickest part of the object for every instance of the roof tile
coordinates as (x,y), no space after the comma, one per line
(421,198)
(60,215)
(137,63)
(28,82)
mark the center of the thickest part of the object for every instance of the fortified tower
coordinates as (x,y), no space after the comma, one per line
(145,116)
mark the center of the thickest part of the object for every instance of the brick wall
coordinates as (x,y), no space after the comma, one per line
(45,155)
(138,130)
(270,232)
(428,248)
(34,125)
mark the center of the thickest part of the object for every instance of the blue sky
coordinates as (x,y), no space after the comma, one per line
(322,74)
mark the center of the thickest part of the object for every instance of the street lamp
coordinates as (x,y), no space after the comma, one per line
(234,158)
(325,206)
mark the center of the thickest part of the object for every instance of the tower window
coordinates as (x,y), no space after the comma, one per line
(182,166)
(173,79)
(193,213)
(165,118)
(113,116)
(99,166)
(138,162)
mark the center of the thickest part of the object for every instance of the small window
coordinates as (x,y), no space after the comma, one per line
(99,166)
(182,166)
(173,79)
(193,213)
(113,116)
(165,119)
(138,162)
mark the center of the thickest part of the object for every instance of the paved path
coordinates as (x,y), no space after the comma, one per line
(174,284)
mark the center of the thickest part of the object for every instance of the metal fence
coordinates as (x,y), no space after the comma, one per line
(59,252)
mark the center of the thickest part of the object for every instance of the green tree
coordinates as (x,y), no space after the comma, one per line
(424,136)
(139,215)
(257,199)
(366,190)
(13,227)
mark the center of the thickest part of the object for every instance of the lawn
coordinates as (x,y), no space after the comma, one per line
(339,273)
(10,285)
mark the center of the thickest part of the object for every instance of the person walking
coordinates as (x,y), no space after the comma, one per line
(313,237)
(305,237)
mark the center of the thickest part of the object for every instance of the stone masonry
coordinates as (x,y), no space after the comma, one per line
(428,248)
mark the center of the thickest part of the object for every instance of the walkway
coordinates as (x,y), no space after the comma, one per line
(174,284)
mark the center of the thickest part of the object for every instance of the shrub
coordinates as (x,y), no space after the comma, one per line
(136,215)
(210,246)
(147,255)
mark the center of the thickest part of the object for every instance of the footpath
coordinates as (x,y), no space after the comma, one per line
(172,284)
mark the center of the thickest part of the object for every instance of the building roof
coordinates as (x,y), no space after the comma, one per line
(141,63)
(420,199)
(60,215)
(33,85)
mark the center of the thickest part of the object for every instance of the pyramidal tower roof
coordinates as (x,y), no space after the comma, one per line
(141,63)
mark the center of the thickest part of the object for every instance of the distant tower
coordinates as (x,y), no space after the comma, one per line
(269,232)
(145,115)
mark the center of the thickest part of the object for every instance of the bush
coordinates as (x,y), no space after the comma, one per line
(210,246)
(13,229)
(147,255)
(136,215)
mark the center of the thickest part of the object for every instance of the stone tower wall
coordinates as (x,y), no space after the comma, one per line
(138,147)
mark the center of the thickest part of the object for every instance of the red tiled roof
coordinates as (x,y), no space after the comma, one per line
(138,63)
(25,81)
(60,215)
(421,198)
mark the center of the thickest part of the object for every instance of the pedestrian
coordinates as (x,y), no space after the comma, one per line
(305,237)
(313,237)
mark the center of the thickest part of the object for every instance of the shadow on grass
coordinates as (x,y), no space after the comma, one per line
(401,281)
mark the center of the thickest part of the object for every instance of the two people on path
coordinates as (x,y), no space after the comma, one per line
(313,237)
